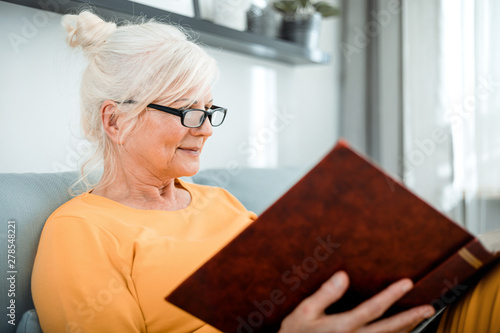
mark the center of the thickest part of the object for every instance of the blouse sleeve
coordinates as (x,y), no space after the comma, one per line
(81,282)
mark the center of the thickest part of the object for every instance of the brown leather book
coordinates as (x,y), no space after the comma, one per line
(345,214)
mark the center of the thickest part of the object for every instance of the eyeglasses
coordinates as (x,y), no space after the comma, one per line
(193,118)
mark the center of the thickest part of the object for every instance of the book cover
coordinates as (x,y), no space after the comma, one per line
(345,214)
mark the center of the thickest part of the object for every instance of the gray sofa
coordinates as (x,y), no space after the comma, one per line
(26,200)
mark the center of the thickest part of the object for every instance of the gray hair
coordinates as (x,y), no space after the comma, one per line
(135,61)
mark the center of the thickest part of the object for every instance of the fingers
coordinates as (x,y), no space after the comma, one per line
(402,322)
(374,307)
(309,315)
(331,291)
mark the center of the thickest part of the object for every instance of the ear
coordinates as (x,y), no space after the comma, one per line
(109,118)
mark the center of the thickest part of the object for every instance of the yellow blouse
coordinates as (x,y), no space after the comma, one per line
(105,267)
(477,310)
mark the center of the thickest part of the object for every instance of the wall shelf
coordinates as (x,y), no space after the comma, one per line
(207,32)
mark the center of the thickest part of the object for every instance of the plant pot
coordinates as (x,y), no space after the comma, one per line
(231,13)
(263,21)
(303,31)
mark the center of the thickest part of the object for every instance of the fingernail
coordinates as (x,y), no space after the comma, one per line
(337,280)
(429,313)
(407,285)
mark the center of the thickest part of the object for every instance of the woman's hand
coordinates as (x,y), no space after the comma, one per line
(309,315)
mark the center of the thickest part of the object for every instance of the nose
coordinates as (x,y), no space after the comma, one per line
(205,129)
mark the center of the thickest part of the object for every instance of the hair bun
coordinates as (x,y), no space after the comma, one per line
(86,30)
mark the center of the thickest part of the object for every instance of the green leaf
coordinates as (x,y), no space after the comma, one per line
(304,3)
(325,9)
(286,6)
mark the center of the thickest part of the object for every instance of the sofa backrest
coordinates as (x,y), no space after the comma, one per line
(255,188)
(27,200)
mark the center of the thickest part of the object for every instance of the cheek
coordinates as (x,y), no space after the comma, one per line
(166,130)
(160,134)
(168,139)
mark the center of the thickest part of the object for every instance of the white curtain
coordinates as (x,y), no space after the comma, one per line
(451,92)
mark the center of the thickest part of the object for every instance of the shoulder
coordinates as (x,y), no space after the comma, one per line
(214,210)
(88,213)
(81,206)
(213,194)
(74,211)
(71,208)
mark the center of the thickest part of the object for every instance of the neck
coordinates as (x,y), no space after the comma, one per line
(141,189)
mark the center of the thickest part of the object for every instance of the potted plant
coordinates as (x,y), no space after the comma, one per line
(302,20)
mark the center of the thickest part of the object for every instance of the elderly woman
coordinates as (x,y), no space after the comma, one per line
(107,258)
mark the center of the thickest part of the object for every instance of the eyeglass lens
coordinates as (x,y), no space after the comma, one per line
(217,118)
(194,118)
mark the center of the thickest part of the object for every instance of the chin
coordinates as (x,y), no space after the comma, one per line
(190,171)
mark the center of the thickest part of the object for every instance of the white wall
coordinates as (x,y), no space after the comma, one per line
(280,115)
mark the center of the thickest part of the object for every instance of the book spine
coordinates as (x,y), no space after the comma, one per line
(450,280)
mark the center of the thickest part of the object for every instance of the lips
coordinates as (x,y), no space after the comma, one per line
(191,150)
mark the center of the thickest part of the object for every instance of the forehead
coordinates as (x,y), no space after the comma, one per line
(190,97)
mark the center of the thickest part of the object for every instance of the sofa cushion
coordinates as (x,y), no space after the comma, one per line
(255,188)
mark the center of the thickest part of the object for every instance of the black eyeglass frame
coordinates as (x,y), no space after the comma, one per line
(182,112)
